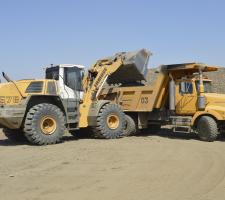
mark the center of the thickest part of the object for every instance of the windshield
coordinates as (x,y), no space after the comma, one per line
(73,78)
(207,86)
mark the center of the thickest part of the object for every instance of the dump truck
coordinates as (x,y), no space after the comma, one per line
(180,97)
(42,110)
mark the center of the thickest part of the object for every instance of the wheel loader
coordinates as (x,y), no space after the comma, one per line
(180,97)
(40,111)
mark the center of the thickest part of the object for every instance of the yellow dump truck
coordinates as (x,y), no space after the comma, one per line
(67,99)
(181,96)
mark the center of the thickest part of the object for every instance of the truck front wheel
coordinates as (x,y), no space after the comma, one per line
(44,124)
(207,129)
(110,122)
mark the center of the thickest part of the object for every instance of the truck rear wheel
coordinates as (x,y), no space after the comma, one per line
(130,126)
(207,129)
(110,122)
(15,135)
(44,124)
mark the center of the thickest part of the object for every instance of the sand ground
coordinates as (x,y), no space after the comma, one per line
(163,166)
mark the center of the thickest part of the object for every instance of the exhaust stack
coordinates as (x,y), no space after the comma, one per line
(172,94)
(201,97)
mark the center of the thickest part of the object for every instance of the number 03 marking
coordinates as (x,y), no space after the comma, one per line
(144,100)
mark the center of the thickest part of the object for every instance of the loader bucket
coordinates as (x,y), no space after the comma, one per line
(134,67)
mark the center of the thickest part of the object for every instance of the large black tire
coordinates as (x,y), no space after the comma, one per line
(36,124)
(207,129)
(106,128)
(130,126)
(15,135)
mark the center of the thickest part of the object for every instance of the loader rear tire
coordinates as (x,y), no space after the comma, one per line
(110,122)
(207,129)
(15,135)
(44,124)
(130,126)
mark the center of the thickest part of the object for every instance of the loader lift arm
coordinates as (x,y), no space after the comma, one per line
(93,83)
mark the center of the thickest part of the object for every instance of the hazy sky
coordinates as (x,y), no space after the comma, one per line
(36,33)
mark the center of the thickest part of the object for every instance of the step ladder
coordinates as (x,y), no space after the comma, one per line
(181,123)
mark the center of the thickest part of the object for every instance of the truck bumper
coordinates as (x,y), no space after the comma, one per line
(12,116)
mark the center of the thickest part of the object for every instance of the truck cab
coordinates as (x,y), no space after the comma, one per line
(187,92)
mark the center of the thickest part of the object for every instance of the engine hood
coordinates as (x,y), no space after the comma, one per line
(14,92)
(215,98)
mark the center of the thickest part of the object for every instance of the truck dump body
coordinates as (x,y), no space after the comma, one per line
(138,98)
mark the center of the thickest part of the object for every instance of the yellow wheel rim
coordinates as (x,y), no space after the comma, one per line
(48,125)
(113,121)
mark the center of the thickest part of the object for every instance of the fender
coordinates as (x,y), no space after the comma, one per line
(213,113)
(94,110)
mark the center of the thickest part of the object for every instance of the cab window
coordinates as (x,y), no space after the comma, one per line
(207,86)
(185,88)
(73,78)
(52,73)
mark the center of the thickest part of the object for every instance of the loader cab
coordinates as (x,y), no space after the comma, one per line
(69,79)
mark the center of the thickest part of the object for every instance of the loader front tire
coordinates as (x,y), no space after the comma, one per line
(44,124)
(15,135)
(110,122)
(207,129)
(130,126)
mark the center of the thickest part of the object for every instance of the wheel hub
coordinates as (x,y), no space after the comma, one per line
(48,125)
(113,121)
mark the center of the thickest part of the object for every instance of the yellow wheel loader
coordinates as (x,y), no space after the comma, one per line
(68,99)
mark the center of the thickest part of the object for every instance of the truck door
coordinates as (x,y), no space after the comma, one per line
(186,98)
